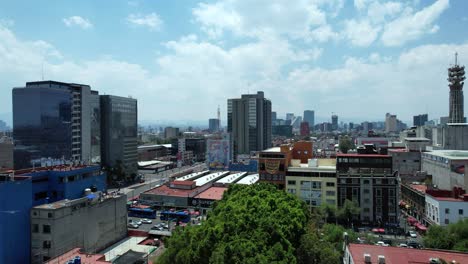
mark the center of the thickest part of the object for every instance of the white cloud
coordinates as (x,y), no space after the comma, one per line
(380,12)
(77,21)
(411,26)
(323,34)
(253,18)
(361,33)
(152,21)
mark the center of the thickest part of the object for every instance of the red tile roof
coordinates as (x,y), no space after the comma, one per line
(212,193)
(419,187)
(166,190)
(397,255)
(185,183)
(85,258)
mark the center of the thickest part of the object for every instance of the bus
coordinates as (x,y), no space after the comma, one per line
(178,216)
(142,213)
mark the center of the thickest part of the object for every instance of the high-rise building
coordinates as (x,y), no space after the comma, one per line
(334,122)
(296,122)
(391,123)
(171,132)
(456,76)
(119,133)
(213,124)
(273,117)
(249,122)
(309,117)
(420,120)
(289,116)
(54,122)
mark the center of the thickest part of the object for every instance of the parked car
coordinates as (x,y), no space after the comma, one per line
(138,222)
(387,241)
(132,225)
(146,221)
(381,243)
(413,244)
(413,234)
(403,245)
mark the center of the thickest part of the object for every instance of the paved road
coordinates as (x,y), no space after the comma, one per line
(155,179)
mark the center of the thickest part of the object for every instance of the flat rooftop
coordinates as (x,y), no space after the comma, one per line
(249,179)
(398,255)
(417,139)
(419,187)
(210,177)
(123,246)
(155,146)
(274,149)
(168,191)
(212,193)
(55,168)
(67,203)
(356,155)
(232,177)
(85,257)
(449,154)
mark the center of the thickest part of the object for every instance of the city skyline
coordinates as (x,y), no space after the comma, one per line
(376,53)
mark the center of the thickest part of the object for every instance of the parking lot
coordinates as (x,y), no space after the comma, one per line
(161,225)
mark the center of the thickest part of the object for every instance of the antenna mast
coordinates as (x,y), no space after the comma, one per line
(456,57)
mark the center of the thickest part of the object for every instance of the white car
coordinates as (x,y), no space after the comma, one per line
(413,234)
(138,222)
(381,243)
(403,245)
(146,221)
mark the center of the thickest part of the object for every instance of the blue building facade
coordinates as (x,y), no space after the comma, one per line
(15,203)
(32,188)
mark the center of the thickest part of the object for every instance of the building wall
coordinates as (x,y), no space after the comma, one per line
(441,171)
(313,190)
(119,132)
(92,227)
(415,200)
(6,155)
(445,212)
(406,163)
(455,136)
(15,202)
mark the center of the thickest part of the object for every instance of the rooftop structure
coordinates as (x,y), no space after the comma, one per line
(456,76)
(193,176)
(131,243)
(357,254)
(249,179)
(213,193)
(210,178)
(232,178)
(448,154)
(85,258)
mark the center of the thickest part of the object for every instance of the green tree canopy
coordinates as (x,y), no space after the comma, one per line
(348,211)
(452,237)
(345,144)
(251,224)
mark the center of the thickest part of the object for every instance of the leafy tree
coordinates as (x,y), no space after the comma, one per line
(328,212)
(452,237)
(251,224)
(345,144)
(348,211)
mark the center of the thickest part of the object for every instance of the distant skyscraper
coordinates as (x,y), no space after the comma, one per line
(391,123)
(296,122)
(420,120)
(171,132)
(213,124)
(249,122)
(119,132)
(456,76)
(334,122)
(289,116)
(309,117)
(55,121)
(273,117)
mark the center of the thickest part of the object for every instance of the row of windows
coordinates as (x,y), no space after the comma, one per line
(328,184)
(45,229)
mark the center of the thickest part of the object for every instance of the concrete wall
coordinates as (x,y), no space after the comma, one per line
(436,211)
(407,164)
(328,193)
(92,227)
(442,175)
(6,155)
(455,137)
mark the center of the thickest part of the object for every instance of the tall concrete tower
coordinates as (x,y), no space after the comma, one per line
(456,76)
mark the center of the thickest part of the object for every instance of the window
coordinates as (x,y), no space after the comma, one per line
(366,210)
(46,229)
(460,211)
(330,201)
(46,244)
(378,192)
(292,182)
(447,210)
(330,193)
(316,185)
(391,192)
(366,182)
(366,191)
(447,221)
(367,200)
(293,191)
(71,178)
(35,228)
(330,184)
(50,215)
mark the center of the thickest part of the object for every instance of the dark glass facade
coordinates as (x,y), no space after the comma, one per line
(41,125)
(119,132)
(95,127)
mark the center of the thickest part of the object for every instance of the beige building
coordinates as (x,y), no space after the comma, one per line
(313,182)
(92,223)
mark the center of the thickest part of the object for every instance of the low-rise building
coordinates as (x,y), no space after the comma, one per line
(313,182)
(446,207)
(93,223)
(365,254)
(447,168)
(413,198)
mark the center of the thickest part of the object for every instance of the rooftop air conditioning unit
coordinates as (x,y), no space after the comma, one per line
(381,259)
(367,258)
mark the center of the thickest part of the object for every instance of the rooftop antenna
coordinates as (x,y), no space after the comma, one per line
(456,57)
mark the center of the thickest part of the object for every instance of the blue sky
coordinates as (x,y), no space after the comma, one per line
(180,59)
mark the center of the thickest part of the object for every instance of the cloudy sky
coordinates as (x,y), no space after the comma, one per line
(180,59)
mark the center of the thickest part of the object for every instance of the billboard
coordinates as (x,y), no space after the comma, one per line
(218,153)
